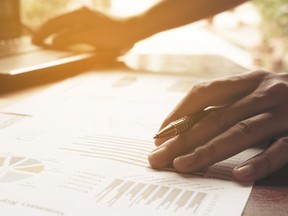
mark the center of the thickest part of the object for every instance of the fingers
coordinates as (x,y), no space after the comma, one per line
(91,30)
(257,115)
(70,20)
(90,37)
(72,37)
(260,166)
(216,93)
(216,145)
(243,135)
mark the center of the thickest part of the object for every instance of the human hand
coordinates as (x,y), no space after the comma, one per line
(257,114)
(87,27)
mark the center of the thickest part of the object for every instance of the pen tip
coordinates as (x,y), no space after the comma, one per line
(156,136)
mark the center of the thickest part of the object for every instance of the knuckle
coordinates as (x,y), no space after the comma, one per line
(276,88)
(261,73)
(276,85)
(217,121)
(199,86)
(265,161)
(183,142)
(284,76)
(219,118)
(246,127)
(206,150)
(284,144)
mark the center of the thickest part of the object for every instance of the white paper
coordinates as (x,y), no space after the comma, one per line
(80,148)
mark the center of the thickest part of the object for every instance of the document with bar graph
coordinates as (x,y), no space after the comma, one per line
(80,148)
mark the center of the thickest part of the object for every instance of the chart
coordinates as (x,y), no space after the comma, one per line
(18,168)
(126,150)
(155,197)
(7,119)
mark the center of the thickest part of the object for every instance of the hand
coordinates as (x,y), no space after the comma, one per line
(257,114)
(87,27)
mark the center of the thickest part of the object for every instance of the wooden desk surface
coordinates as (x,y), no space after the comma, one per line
(268,197)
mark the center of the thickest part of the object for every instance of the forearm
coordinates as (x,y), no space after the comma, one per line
(168,14)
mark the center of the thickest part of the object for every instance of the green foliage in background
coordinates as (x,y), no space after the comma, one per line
(35,12)
(274,26)
(274,17)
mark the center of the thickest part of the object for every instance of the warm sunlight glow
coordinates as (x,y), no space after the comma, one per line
(130,7)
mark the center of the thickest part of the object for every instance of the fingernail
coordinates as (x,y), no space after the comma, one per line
(158,156)
(246,170)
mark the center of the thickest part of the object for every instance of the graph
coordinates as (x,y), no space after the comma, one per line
(18,168)
(7,119)
(135,151)
(124,81)
(157,197)
(121,149)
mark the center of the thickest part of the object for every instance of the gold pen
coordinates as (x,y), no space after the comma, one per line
(183,124)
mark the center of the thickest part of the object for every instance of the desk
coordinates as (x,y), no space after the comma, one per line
(268,197)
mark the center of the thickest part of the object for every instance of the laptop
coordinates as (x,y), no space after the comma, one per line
(21,60)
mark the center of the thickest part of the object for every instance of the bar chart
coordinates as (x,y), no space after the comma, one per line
(126,150)
(7,119)
(151,196)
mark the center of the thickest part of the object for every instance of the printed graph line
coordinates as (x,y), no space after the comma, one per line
(116,139)
(132,151)
(158,197)
(143,146)
(101,147)
(7,118)
(120,149)
(109,155)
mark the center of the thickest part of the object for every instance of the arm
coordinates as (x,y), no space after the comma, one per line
(170,14)
(108,33)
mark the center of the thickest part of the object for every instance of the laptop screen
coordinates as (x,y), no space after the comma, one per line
(10,24)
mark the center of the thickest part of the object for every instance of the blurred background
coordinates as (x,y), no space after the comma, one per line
(260,27)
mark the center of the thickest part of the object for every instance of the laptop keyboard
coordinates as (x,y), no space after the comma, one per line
(16,46)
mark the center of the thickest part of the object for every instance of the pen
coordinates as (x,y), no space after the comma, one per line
(183,124)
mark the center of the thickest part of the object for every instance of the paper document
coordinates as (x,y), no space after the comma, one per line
(80,148)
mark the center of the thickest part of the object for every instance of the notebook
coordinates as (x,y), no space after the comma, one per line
(20,59)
